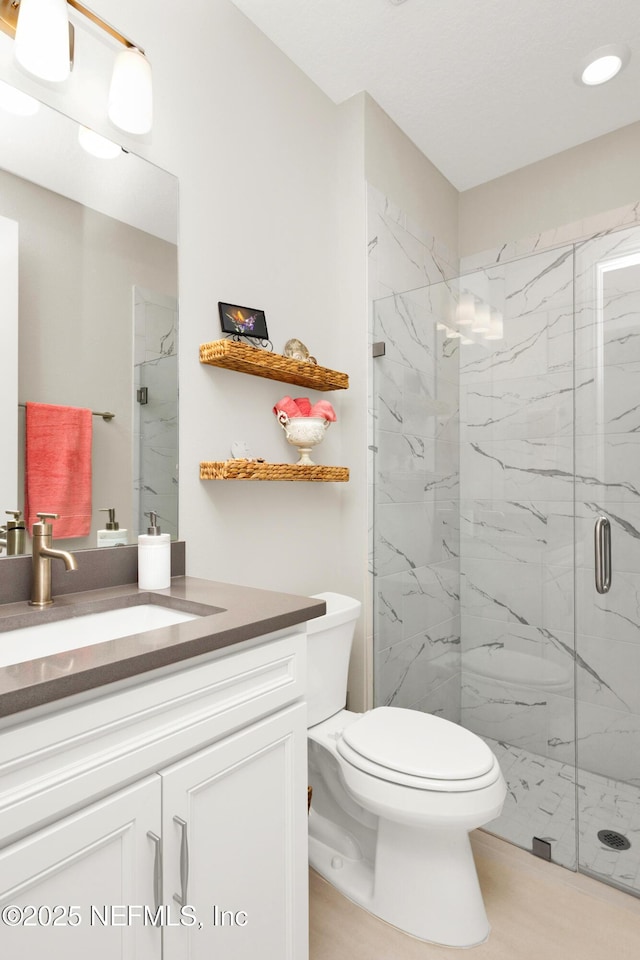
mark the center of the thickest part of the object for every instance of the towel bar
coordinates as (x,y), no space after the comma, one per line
(106,416)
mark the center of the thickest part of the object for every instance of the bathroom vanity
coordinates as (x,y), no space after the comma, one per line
(153,787)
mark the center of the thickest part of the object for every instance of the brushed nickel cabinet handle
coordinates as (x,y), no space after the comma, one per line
(157,868)
(184,862)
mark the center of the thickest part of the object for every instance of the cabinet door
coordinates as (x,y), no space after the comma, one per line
(235,844)
(69,888)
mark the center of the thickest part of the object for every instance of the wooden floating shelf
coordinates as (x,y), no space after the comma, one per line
(232,355)
(253,470)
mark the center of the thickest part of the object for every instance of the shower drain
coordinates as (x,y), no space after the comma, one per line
(613,839)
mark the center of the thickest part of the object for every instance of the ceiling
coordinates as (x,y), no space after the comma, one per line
(482,87)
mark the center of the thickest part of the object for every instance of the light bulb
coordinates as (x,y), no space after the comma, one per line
(97,145)
(131,93)
(42,39)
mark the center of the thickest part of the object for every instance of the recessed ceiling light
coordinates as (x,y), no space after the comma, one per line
(603,64)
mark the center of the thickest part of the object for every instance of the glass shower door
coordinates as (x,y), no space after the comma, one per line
(473,497)
(607,421)
(517,542)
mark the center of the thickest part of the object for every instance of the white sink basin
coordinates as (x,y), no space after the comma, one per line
(45,639)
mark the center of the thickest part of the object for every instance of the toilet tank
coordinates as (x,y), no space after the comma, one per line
(328,650)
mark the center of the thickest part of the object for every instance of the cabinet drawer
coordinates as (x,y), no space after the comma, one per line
(62,761)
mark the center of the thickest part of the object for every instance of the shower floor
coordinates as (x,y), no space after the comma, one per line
(541,802)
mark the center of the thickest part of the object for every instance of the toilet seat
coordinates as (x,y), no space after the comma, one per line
(418,750)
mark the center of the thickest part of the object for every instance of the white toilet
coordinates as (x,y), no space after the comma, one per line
(395,794)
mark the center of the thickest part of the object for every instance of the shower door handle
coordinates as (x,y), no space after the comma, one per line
(602,544)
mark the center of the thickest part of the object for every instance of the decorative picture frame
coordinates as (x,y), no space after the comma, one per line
(243,321)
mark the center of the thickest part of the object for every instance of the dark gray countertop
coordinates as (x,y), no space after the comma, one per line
(242,613)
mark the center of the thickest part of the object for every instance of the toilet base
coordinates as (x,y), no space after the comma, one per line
(425,883)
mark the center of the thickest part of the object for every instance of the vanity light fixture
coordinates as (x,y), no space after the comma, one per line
(97,145)
(131,92)
(44,47)
(42,43)
(603,64)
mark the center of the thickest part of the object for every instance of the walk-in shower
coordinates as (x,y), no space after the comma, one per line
(506,411)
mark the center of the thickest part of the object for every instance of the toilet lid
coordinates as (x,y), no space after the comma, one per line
(418,744)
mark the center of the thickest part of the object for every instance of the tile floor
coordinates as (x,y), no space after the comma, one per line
(541,802)
(537,911)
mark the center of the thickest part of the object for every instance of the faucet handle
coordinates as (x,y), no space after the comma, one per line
(43,528)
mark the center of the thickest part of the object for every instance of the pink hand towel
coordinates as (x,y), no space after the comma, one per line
(304,405)
(57,476)
(288,406)
(322,408)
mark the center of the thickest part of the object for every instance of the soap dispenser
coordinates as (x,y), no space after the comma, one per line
(112,535)
(16,534)
(154,557)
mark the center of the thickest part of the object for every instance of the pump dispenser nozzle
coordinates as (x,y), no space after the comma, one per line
(153,529)
(112,523)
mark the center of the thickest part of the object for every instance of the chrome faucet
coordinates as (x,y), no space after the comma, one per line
(43,554)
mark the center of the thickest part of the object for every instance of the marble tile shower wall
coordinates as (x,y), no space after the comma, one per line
(519,476)
(414,444)
(516,509)
(472,566)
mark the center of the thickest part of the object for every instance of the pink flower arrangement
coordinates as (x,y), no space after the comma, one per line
(302,407)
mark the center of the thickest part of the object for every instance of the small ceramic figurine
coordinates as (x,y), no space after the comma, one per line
(296,350)
(240,450)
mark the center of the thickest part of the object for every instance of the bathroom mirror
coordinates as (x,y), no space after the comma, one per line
(96,314)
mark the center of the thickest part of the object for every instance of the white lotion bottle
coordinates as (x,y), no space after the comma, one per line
(154,557)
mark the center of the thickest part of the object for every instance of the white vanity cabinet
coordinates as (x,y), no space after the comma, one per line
(56,884)
(180,799)
(229,831)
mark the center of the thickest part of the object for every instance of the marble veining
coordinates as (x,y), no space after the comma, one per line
(491,461)
(541,801)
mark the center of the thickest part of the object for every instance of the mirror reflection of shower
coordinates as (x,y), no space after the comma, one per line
(155,430)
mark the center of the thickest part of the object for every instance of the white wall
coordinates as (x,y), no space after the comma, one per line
(401,172)
(9,232)
(271,214)
(589,179)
